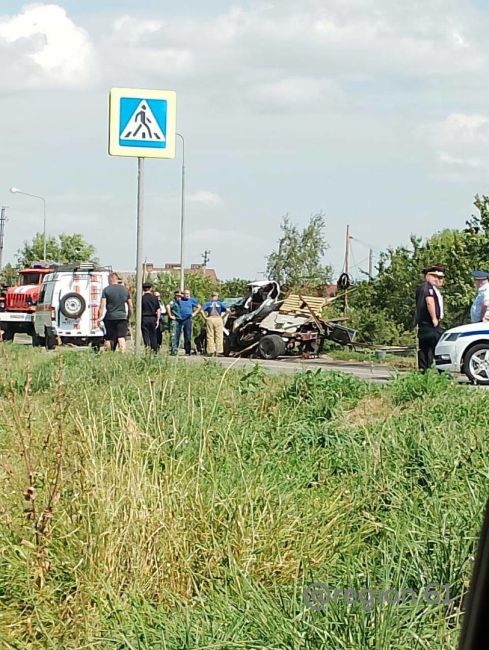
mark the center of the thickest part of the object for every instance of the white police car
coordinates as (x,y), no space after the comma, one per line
(465,349)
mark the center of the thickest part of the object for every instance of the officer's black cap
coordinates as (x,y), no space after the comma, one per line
(147,285)
(435,269)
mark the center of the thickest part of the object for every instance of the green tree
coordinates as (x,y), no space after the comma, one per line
(8,275)
(64,249)
(234,288)
(297,261)
(200,285)
(390,299)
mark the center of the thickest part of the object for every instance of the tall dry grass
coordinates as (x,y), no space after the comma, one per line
(187,509)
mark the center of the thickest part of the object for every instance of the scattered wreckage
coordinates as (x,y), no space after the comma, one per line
(262,322)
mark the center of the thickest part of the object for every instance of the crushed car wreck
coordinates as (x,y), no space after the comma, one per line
(263,323)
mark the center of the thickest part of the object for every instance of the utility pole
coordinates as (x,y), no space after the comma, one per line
(370,264)
(206,258)
(347,265)
(3,219)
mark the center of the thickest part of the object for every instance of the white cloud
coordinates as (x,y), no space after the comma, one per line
(278,57)
(45,47)
(136,30)
(455,161)
(352,82)
(460,142)
(463,129)
(205,197)
(296,93)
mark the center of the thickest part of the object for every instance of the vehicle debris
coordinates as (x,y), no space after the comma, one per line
(262,322)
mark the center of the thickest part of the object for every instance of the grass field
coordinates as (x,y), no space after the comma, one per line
(146,503)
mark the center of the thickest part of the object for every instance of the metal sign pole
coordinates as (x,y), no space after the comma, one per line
(3,219)
(142,124)
(139,256)
(182,219)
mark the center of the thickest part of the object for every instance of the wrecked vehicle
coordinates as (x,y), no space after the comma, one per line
(262,322)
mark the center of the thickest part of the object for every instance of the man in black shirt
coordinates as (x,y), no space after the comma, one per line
(150,317)
(429,314)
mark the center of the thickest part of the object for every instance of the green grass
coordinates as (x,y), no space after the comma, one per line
(175,506)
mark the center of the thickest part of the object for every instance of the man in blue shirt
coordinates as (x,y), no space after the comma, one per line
(480,307)
(214,312)
(188,308)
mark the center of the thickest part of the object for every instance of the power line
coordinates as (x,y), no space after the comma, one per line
(360,241)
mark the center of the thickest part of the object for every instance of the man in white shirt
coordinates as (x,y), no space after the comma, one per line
(479,310)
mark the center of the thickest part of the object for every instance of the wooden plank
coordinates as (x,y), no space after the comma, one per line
(294,304)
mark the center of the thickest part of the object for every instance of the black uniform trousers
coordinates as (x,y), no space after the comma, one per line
(159,334)
(148,329)
(428,337)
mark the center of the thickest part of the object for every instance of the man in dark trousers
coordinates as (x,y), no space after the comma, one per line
(161,324)
(150,317)
(173,313)
(189,308)
(429,314)
(116,304)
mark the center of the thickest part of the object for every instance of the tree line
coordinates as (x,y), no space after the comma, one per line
(381,309)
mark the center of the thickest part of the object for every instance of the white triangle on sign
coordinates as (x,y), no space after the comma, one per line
(143,125)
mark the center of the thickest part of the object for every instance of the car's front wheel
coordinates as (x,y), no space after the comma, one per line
(271,346)
(476,364)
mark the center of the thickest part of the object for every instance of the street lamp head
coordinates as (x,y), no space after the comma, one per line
(14,190)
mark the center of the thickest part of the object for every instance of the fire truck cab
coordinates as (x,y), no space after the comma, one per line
(18,303)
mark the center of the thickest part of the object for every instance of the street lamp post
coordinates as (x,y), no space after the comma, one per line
(182,217)
(15,190)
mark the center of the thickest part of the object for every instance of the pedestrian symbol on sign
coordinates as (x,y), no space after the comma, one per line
(142,122)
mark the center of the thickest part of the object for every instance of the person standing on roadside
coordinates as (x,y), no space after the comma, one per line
(189,308)
(173,312)
(480,307)
(150,317)
(161,322)
(429,314)
(116,303)
(214,311)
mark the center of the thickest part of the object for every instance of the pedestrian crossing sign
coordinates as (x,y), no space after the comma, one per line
(142,123)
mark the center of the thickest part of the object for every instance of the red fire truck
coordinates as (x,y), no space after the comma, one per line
(18,303)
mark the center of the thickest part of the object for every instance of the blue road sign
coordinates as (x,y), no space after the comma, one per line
(142,123)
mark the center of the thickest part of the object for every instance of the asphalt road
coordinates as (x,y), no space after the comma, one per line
(289,365)
(375,372)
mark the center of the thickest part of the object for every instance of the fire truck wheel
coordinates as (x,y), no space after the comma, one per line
(50,339)
(8,332)
(37,341)
(72,305)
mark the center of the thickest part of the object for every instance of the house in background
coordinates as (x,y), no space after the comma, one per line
(152,270)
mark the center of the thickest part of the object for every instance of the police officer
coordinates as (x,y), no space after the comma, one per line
(480,307)
(150,317)
(429,314)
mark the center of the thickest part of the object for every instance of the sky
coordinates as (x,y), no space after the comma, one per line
(372,112)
